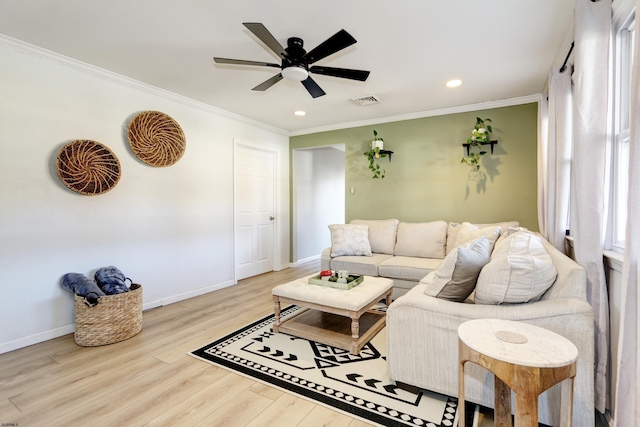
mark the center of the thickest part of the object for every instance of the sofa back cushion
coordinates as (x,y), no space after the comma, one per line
(422,239)
(349,239)
(520,271)
(454,228)
(382,234)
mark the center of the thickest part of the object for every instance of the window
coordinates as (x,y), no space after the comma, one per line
(624,47)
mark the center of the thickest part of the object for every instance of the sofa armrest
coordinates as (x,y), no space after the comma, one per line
(422,346)
(325,259)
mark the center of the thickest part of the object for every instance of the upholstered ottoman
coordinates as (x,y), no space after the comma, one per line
(336,317)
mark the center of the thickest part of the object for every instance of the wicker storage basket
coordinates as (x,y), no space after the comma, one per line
(115,318)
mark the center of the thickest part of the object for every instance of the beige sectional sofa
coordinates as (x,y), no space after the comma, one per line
(402,251)
(422,322)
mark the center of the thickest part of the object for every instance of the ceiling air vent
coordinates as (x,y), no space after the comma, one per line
(367,100)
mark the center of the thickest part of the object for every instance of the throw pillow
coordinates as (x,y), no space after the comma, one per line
(350,239)
(456,277)
(454,227)
(520,271)
(382,234)
(422,239)
(470,232)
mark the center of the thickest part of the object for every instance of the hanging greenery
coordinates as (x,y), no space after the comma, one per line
(374,154)
(480,134)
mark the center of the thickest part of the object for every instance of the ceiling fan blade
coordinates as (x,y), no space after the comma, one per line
(333,44)
(345,73)
(243,62)
(313,88)
(268,83)
(261,32)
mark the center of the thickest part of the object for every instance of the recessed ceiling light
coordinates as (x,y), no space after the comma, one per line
(300,113)
(454,83)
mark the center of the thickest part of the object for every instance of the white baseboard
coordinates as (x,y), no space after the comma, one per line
(305,260)
(69,329)
(187,295)
(36,338)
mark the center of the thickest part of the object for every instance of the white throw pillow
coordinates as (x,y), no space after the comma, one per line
(468,232)
(520,271)
(382,234)
(454,227)
(456,277)
(350,239)
(422,239)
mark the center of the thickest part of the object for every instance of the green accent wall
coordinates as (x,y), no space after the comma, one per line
(425,180)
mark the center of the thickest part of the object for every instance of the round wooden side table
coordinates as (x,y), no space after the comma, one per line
(524,358)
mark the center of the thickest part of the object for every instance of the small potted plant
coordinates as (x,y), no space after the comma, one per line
(480,134)
(373,154)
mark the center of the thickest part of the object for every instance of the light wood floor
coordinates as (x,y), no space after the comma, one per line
(150,380)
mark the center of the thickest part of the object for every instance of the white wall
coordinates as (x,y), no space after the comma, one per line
(169,229)
(318,181)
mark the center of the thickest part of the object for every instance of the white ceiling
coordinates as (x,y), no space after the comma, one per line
(499,48)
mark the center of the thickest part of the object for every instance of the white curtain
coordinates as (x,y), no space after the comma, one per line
(591,56)
(554,158)
(627,407)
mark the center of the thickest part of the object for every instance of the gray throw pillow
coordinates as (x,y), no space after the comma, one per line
(456,277)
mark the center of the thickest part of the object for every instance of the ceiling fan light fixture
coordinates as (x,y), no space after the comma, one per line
(295,73)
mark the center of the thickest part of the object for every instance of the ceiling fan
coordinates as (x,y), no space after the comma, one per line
(296,61)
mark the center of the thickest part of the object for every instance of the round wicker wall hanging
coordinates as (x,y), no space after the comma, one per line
(156,138)
(88,167)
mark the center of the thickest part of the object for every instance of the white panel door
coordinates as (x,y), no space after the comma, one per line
(254,211)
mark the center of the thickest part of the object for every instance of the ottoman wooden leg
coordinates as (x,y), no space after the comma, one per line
(276,308)
(355,334)
(388,300)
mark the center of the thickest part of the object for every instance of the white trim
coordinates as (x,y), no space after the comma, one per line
(186,295)
(39,52)
(430,113)
(305,260)
(21,342)
(613,260)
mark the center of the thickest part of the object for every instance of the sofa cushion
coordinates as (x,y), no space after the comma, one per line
(453,228)
(408,268)
(349,239)
(422,239)
(520,271)
(456,277)
(467,232)
(366,266)
(382,234)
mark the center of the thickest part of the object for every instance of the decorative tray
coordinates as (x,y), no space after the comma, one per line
(353,280)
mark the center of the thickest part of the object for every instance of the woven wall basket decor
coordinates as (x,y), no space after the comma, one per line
(156,138)
(88,167)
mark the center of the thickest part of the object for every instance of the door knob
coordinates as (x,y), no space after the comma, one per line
(271,218)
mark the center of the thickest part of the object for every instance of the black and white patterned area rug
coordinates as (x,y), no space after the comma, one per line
(356,385)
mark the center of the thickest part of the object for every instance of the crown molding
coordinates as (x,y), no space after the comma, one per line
(429,113)
(48,55)
(39,52)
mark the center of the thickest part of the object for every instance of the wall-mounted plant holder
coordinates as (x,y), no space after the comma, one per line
(387,152)
(468,145)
